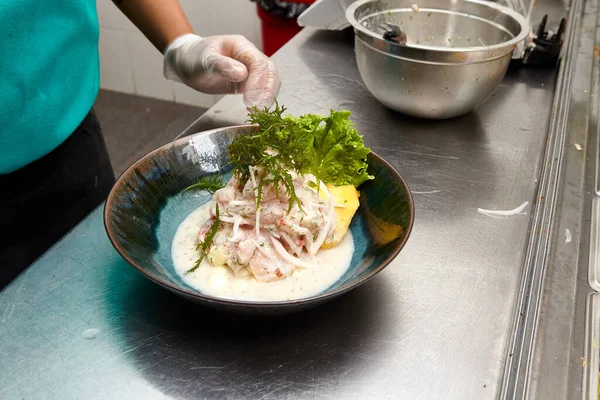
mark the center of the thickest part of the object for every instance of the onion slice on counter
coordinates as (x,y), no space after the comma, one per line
(504,213)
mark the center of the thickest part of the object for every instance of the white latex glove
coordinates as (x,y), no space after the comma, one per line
(223,65)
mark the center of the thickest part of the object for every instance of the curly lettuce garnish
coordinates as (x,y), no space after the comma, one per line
(329,147)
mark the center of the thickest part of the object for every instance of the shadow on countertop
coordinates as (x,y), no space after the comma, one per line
(203,353)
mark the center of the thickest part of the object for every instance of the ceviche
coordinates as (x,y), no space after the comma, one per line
(279,227)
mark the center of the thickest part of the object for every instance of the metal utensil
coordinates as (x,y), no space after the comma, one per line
(393,33)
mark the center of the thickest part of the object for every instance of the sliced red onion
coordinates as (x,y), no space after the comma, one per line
(325,230)
(288,257)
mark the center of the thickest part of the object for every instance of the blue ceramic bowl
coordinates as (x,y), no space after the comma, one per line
(147,204)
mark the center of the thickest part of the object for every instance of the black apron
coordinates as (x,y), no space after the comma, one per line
(42,201)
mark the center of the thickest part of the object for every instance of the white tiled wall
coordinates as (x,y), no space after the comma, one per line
(130,64)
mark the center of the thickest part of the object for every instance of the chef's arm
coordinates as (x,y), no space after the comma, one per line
(161,21)
(214,65)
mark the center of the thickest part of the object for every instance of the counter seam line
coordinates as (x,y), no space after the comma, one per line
(514,386)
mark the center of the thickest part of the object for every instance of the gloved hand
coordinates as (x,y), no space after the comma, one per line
(223,65)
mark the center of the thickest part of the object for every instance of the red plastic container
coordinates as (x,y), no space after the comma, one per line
(277,31)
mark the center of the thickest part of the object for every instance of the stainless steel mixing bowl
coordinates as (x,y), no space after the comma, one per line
(456,55)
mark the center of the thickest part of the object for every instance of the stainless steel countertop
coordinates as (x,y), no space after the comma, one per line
(436,323)
(457,280)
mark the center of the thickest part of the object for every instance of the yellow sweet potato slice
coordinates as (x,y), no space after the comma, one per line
(346,200)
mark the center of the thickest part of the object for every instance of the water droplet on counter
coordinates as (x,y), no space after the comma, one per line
(447,93)
(90,334)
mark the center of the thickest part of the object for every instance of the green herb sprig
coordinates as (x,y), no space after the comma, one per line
(209,183)
(329,147)
(204,245)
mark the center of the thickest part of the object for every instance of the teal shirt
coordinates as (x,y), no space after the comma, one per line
(49,75)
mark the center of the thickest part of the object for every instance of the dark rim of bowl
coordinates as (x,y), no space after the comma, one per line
(262,304)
